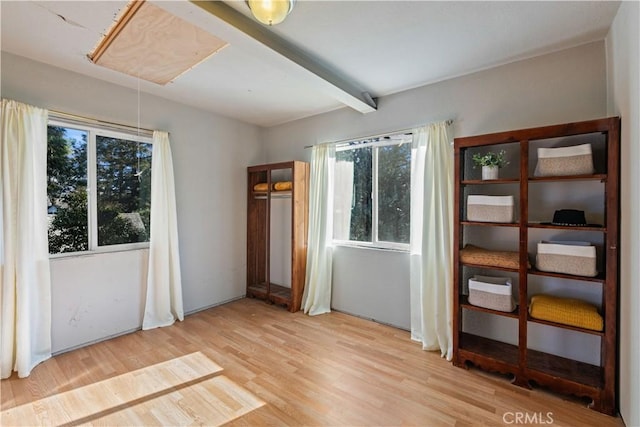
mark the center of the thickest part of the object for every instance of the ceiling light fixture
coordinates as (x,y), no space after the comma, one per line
(270,12)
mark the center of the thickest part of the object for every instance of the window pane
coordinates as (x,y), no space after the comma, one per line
(394,185)
(67,189)
(124,190)
(352,189)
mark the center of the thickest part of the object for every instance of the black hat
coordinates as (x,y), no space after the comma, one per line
(570,217)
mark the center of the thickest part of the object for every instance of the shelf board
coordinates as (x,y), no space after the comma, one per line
(464,303)
(496,350)
(257,290)
(280,294)
(569,327)
(534,225)
(566,227)
(491,224)
(490,181)
(566,369)
(490,267)
(600,278)
(273,194)
(594,177)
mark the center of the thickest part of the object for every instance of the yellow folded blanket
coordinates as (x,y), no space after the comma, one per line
(567,311)
(261,186)
(282,186)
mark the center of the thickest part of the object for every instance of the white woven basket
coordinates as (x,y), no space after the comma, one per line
(490,208)
(495,293)
(576,258)
(575,160)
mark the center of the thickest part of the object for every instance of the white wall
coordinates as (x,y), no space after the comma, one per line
(96,296)
(280,242)
(371,283)
(101,295)
(623,66)
(557,88)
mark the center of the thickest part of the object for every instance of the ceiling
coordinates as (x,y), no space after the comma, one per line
(377,47)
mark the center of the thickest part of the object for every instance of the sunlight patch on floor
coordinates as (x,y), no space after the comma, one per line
(182,391)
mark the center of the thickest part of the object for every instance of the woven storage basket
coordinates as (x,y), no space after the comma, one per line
(575,160)
(490,208)
(576,258)
(494,293)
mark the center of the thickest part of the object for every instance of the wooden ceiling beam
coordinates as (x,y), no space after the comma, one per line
(340,87)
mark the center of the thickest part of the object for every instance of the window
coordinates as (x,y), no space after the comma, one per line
(99,189)
(372,198)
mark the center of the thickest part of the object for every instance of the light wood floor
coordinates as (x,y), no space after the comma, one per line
(247,363)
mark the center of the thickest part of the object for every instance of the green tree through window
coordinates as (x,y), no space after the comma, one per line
(67,190)
(394,193)
(362,183)
(373,191)
(122,190)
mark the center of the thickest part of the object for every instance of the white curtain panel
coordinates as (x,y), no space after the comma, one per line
(343,199)
(317,289)
(164,284)
(431,271)
(25,288)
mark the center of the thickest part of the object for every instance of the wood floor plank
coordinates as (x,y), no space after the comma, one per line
(273,368)
(102,396)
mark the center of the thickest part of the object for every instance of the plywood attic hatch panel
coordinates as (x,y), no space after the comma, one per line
(154,45)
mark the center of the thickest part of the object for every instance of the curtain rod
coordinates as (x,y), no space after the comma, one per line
(393,132)
(89,120)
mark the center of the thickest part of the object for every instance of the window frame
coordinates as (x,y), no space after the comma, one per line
(92,189)
(375,243)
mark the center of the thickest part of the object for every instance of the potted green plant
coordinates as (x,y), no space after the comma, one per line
(491,162)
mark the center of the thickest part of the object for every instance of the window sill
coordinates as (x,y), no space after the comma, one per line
(100,251)
(369,246)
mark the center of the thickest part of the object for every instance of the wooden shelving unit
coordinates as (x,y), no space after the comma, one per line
(259,234)
(526,365)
